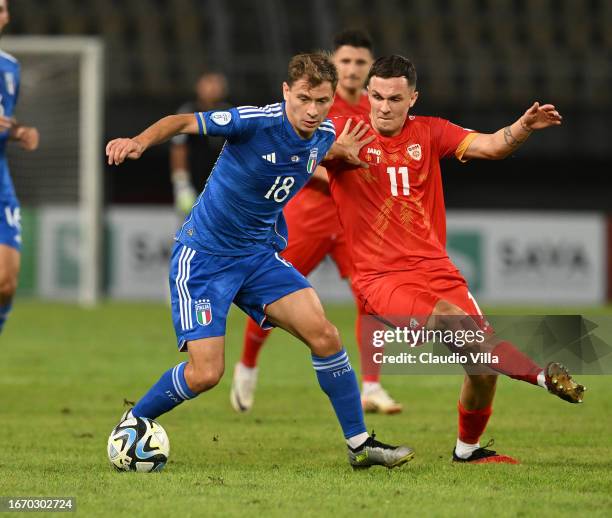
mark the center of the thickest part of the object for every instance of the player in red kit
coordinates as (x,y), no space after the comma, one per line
(315,231)
(395,225)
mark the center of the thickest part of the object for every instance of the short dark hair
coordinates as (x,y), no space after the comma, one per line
(394,66)
(316,68)
(353,38)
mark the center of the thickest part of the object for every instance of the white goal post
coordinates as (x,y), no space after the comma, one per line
(90,54)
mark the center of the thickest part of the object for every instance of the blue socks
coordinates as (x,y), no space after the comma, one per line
(338,381)
(335,374)
(4,312)
(170,391)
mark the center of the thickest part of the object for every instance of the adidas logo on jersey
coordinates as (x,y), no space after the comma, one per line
(374,151)
(270,157)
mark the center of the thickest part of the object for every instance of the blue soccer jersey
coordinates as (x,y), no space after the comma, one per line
(9,89)
(263,164)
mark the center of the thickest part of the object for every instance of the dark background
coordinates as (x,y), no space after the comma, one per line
(481,63)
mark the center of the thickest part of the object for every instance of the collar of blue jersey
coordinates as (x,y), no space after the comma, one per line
(291,130)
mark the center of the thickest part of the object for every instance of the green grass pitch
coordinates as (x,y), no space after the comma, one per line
(65,371)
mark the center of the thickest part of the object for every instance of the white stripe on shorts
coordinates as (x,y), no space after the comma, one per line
(179,274)
(188,312)
(184,271)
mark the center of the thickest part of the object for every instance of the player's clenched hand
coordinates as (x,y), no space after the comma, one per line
(539,117)
(352,140)
(119,149)
(6,123)
(27,136)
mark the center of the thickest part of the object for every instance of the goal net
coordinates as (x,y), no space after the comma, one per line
(59,185)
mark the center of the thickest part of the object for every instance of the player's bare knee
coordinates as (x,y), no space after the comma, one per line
(326,341)
(449,316)
(8,287)
(444,308)
(205,378)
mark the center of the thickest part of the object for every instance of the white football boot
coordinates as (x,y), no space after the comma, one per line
(377,400)
(242,394)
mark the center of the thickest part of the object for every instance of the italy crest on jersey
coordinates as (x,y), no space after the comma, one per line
(203,311)
(312,160)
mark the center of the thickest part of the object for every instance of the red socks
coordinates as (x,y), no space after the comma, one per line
(370,370)
(515,364)
(472,423)
(254,338)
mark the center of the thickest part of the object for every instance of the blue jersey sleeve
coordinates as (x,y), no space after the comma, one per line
(17,82)
(236,123)
(329,131)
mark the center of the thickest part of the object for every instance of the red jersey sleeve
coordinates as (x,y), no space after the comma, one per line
(449,138)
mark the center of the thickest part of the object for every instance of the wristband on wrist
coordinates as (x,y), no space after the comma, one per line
(523,126)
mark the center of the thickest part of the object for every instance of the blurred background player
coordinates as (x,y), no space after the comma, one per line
(191,157)
(315,231)
(27,137)
(402,268)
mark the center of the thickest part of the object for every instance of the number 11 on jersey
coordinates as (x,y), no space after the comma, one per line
(403,171)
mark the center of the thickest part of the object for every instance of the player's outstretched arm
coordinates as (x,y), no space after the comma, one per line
(27,136)
(118,150)
(498,145)
(349,143)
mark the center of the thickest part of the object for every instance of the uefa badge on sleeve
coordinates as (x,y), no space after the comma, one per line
(221,118)
(203,311)
(312,160)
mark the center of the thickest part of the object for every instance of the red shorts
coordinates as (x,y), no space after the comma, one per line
(416,292)
(305,253)
(314,232)
(408,298)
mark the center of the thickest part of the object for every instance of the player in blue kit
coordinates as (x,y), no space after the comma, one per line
(228,248)
(27,137)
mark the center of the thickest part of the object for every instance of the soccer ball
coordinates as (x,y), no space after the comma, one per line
(138,444)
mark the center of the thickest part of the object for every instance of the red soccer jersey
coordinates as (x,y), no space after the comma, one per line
(393,213)
(341,108)
(313,205)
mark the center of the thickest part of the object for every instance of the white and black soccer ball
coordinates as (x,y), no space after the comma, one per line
(138,444)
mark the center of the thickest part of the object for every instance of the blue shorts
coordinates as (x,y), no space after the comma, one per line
(10,224)
(203,286)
